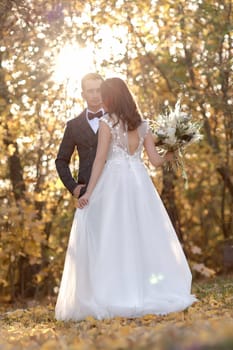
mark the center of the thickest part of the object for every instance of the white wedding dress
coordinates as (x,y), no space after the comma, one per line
(123,256)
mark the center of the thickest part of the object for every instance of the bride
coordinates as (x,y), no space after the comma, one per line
(123,256)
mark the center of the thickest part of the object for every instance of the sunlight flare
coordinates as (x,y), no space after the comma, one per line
(155,278)
(72,63)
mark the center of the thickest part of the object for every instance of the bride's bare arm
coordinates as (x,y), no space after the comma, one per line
(153,155)
(104,138)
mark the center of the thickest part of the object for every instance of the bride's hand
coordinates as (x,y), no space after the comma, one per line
(169,156)
(83,201)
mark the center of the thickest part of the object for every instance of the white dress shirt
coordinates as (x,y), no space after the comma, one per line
(94,123)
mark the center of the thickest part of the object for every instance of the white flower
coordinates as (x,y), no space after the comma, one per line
(171,131)
(184,117)
(171,138)
(161,133)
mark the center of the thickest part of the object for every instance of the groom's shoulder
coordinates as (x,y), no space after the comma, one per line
(77,120)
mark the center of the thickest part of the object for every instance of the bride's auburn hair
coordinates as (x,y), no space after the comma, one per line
(119,100)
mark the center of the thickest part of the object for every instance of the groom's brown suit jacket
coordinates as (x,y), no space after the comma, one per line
(78,135)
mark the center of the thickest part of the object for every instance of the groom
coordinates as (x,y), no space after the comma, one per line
(81,133)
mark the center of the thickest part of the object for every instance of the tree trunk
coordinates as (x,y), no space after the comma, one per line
(168,197)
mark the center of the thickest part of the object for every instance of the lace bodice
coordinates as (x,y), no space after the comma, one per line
(119,148)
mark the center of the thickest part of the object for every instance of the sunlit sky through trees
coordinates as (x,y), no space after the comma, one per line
(74,61)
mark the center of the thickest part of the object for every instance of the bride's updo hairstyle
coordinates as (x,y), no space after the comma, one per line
(118,100)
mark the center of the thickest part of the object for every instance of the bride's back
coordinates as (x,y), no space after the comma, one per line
(131,141)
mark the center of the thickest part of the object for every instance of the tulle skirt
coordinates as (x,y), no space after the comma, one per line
(123,256)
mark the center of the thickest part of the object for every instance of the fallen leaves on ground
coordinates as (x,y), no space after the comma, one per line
(208,324)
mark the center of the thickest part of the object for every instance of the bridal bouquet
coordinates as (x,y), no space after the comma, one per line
(174,131)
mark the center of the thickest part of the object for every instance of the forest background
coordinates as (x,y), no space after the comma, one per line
(165,50)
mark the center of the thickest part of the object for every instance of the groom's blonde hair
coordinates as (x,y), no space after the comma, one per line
(90,76)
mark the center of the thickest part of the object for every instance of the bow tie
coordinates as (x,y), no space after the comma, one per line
(91,115)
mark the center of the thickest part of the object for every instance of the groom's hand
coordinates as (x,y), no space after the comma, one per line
(77,190)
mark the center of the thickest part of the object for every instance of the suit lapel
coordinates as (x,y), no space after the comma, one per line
(86,130)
